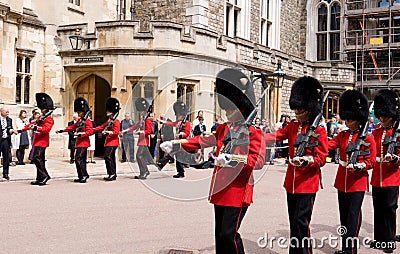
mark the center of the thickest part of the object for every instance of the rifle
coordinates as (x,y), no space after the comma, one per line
(111,122)
(354,148)
(391,141)
(81,124)
(147,116)
(41,119)
(303,140)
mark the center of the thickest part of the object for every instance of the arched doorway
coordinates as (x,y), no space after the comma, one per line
(95,90)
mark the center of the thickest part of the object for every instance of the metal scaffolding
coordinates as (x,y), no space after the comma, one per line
(372,42)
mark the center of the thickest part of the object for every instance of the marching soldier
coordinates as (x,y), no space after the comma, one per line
(231,189)
(303,175)
(182,132)
(386,173)
(83,129)
(144,125)
(41,127)
(351,179)
(111,128)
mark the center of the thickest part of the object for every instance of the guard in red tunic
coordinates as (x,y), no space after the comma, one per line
(352,179)
(303,175)
(182,132)
(83,129)
(386,173)
(231,189)
(111,128)
(42,128)
(144,128)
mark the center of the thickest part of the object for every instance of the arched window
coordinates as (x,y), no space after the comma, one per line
(328,34)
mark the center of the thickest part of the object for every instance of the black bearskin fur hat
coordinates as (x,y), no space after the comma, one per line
(180,108)
(386,103)
(141,104)
(112,105)
(80,104)
(307,94)
(353,106)
(235,90)
(44,101)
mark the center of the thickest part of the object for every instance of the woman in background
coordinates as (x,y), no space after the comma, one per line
(21,141)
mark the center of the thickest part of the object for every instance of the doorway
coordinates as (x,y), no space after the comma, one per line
(96,90)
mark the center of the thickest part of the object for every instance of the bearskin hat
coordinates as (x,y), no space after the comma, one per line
(141,104)
(80,104)
(44,101)
(180,108)
(112,105)
(386,103)
(235,90)
(353,105)
(307,94)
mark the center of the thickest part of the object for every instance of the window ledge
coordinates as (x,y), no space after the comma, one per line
(76,9)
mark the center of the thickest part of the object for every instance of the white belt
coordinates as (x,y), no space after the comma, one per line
(343,163)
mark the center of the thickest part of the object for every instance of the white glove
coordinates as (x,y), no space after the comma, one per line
(166,146)
(357,166)
(223,159)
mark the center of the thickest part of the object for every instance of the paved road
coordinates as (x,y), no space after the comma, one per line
(127,216)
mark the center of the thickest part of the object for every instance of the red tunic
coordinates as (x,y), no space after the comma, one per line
(144,138)
(111,139)
(83,140)
(384,174)
(185,128)
(302,179)
(42,137)
(349,181)
(232,186)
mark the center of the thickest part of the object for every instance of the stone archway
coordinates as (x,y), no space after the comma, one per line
(95,90)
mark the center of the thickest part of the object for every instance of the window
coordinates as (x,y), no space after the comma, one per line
(265,23)
(383,3)
(328,34)
(76,2)
(185,94)
(237,18)
(23,79)
(141,89)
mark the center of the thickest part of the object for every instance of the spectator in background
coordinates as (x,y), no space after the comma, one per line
(35,116)
(92,140)
(128,139)
(6,130)
(21,141)
(371,124)
(72,139)
(153,135)
(218,121)
(199,129)
(166,134)
(196,121)
(332,127)
(257,123)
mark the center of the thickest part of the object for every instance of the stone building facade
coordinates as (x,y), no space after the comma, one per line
(164,50)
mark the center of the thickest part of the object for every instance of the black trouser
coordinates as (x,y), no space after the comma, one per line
(300,208)
(80,161)
(385,206)
(227,223)
(109,158)
(164,160)
(179,162)
(21,153)
(142,157)
(72,154)
(39,160)
(128,148)
(152,147)
(5,151)
(350,217)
